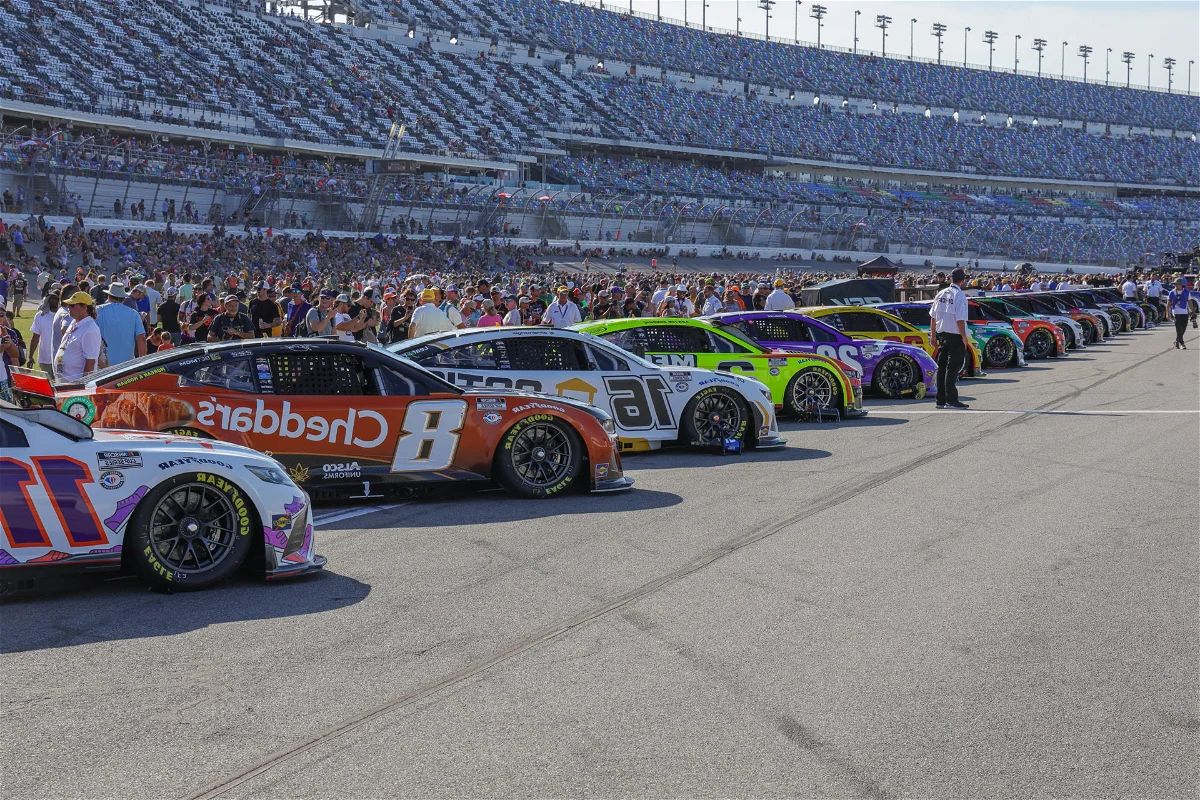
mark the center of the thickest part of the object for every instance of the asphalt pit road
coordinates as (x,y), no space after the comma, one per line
(680,459)
(93,609)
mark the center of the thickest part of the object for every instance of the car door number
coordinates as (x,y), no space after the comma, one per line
(640,404)
(62,478)
(845,352)
(429,435)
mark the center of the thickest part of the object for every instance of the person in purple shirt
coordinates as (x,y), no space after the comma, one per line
(1178,302)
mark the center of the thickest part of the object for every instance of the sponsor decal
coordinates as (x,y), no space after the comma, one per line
(139,376)
(777,362)
(187,362)
(119,459)
(366,492)
(672,359)
(341,471)
(298,472)
(681,387)
(491,404)
(580,387)
(124,508)
(111,480)
(536,405)
(764,431)
(774,370)
(680,376)
(469,380)
(492,418)
(81,408)
(358,427)
(183,461)
(601,471)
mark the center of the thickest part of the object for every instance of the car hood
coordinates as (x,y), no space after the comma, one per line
(598,413)
(148,442)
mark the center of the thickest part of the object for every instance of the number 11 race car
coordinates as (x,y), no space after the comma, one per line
(348,420)
(183,513)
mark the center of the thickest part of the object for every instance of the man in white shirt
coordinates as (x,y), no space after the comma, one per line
(711,303)
(778,299)
(562,312)
(1129,290)
(79,350)
(1154,293)
(948,324)
(428,318)
(512,318)
(1036,286)
(41,345)
(660,294)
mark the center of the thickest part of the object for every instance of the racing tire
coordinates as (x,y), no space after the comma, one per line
(190,532)
(812,387)
(540,456)
(895,375)
(713,415)
(1040,344)
(1089,331)
(1068,336)
(999,352)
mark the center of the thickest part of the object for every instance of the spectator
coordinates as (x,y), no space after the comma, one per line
(168,316)
(319,319)
(41,342)
(10,354)
(345,325)
(428,318)
(297,312)
(564,312)
(79,352)
(489,318)
(233,324)
(121,327)
(512,316)
(779,299)
(264,312)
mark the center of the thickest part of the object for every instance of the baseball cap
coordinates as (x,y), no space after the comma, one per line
(172,291)
(328,294)
(368,293)
(452,288)
(343,298)
(428,296)
(561,289)
(141,287)
(618,290)
(779,282)
(229,297)
(80,297)
(522,299)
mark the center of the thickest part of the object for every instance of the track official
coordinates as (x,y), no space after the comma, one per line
(948,324)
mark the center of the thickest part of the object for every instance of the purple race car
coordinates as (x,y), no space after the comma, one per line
(890,369)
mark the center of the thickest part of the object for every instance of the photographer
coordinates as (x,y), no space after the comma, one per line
(345,324)
(365,309)
(401,316)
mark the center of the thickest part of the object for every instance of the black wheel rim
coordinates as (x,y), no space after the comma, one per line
(716,416)
(1089,331)
(999,351)
(895,375)
(1039,345)
(193,528)
(1068,334)
(542,455)
(813,388)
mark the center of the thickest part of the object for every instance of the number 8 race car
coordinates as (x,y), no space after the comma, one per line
(184,513)
(349,420)
(651,405)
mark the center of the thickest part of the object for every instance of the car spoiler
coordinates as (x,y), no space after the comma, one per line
(30,384)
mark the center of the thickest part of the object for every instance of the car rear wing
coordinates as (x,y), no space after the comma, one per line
(31,388)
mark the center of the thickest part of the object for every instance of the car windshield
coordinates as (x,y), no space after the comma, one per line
(734,333)
(52,419)
(435,383)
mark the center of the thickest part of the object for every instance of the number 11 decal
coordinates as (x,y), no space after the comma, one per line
(63,480)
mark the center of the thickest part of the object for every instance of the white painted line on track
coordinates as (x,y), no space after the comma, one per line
(351,513)
(1097,412)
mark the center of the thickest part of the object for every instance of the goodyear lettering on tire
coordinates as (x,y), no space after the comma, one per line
(740,431)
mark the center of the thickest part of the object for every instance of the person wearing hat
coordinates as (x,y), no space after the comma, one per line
(948,325)
(779,299)
(79,351)
(297,310)
(121,327)
(563,311)
(1177,301)
(168,315)
(364,308)
(318,321)
(489,318)
(264,312)
(41,343)
(603,308)
(231,325)
(512,317)
(428,318)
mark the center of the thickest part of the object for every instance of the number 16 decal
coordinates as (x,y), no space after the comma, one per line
(62,479)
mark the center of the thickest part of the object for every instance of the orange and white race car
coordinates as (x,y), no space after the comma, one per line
(348,420)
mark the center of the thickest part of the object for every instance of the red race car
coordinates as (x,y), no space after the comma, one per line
(349,420)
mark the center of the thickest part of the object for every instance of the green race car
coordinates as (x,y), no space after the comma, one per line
(806,384)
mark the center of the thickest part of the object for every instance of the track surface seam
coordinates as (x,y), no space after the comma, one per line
(569,625)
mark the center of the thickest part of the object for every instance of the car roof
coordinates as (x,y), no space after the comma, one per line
(466,335)
(637,322)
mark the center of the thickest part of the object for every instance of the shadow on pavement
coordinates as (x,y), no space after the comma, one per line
(64,611)
(685,459)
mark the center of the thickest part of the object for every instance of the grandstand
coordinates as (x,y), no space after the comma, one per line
(546,119)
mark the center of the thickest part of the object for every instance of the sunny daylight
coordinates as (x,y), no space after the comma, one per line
(565,399)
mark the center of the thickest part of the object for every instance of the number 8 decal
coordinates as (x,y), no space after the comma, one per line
(429,436)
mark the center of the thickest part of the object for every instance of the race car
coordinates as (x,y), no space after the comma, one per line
(350,420)
(890,369)
(995,345)
(806,384)
(1112,319)
(1047,304)
(1041,339)
(1139,312)
(1073,333)
(650,405)
(183,513)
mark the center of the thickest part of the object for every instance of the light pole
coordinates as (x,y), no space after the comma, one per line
(796,22)
(817,12)
(1127,57)
(1039,45)
(882,21)
(658,12)
(1169,66)
(912,24)
(737,10)
(990,37)
(1149,63)
(765,5)
(1084,52)
(1107,53)
(856,13)
(966,30)
(685,24)
(938,30)
(704,15)
(1190,63)
(1016,56)
(1062,62)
